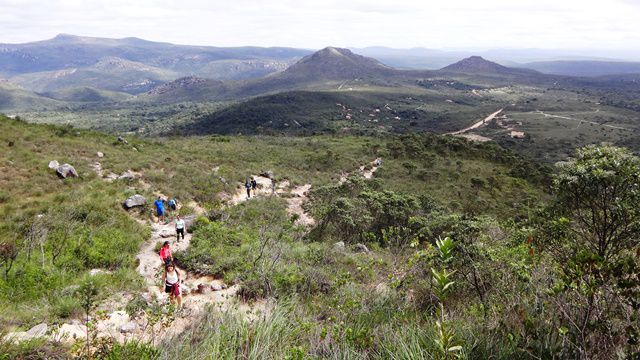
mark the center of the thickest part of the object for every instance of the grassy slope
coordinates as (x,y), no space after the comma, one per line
(179,166)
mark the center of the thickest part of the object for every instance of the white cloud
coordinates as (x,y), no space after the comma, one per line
(314,24)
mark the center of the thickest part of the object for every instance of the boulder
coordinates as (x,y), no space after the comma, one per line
(129,327)
(166,233)
(148,298)
(360,248)
(133,201)
(38,331)
(100,154)
(339,246)
(66,170)
(267,174)
(53,164)
(216,286)
(185,290)
(71,332)
(122,140)
(17,336)
(202,289)
(127,175)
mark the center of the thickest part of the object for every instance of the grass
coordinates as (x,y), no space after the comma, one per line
(326,302)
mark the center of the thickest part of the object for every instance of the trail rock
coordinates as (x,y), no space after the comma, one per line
(129,327)
(133,201)
(267,174)
(202,289)
(127,175)
(147,297)
(66,170)
(71,332)
(53,164)
(360,248)
(166,233)
(100,154)
(216,286)
(37,331)
(17,336)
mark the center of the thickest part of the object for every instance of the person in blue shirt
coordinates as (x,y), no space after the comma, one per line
(159,203)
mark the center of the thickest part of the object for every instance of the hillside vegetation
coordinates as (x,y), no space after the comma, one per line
(55,231)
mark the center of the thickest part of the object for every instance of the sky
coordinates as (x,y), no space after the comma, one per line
(438,24)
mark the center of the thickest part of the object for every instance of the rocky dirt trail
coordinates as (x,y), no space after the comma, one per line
(477,124)
(198,291)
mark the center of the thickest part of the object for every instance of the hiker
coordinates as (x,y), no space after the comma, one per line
(254,185)
(181,227)
(171,281)
(159,203)
(173,204)
(165,254)
(273,186)
(247,186)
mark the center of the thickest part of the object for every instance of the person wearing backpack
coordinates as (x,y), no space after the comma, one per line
(247,186)
(173,204)
(171,281)
(165,254)
(254,185)
(181,227)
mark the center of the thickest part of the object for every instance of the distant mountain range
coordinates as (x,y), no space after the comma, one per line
(72,69)
(585,68)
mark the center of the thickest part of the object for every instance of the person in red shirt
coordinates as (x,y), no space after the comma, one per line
(165,254)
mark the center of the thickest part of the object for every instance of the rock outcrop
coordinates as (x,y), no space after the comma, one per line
(134,201)
(64,171)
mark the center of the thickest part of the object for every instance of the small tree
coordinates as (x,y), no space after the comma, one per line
(599,192)
(88,293)
(593,235)
(446,341)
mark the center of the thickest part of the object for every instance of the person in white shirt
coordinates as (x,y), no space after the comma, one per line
(181,227)
(171,281)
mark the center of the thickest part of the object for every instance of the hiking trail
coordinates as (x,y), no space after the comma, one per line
(198,291)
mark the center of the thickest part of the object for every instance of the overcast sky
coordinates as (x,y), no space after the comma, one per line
(568,24)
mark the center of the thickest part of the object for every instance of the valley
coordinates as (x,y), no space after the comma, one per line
(469,210)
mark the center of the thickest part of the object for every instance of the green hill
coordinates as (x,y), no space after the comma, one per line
(14,98)
(443,227)
(87,94)
(110,73)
